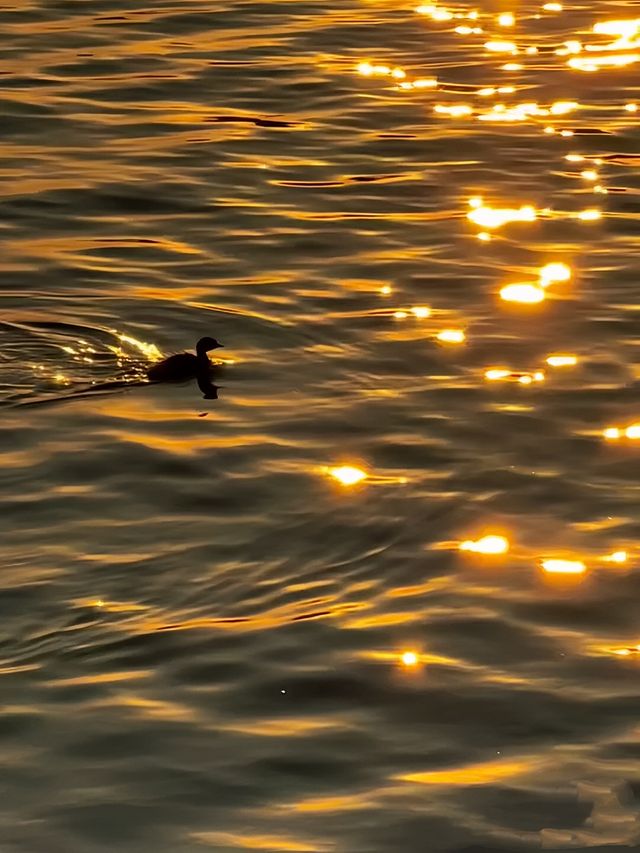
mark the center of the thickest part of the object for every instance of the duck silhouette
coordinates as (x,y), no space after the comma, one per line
(185,365)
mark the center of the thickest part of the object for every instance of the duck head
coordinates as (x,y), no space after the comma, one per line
(204,345)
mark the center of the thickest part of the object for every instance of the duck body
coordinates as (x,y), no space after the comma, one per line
(177,368)
(185,365)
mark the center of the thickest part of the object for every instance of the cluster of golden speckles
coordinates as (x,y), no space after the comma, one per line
(532,294)
(492,218)
(397,74)
(368,69)
(503,374)
(421,312)
(616,433)
(620,52)
(496,545)
(440,14)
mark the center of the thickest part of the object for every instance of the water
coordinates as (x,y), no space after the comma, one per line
(209,641)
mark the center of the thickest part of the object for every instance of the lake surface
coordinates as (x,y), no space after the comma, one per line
(248,623)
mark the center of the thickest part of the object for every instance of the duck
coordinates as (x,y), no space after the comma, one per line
(185,365)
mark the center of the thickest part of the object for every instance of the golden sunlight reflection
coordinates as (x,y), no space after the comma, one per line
(348,475)
(631,432)
(501,47)
(525,293)
(616,557)
(554,272)
(487,773)
(626,37)
(489,217)
(562,360)
(385,290)
(564,567)
(490,544)
(611,433)
(589,215)
(451,336)
(497,374)
(453,110)
(506,19)
(150,351)
(421,312)
(409,659)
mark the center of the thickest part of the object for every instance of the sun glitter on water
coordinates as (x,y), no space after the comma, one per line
(348,475)
(490,544)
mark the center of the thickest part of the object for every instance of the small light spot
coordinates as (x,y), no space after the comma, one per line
(631,108)
(421,312)
(633,431)
(565,567)
(496,373)
(589,215)
(409,658)
(487,545)
(451,336)
(385,290)
(484,236)
(616,557)
(611,433)
(589,175)
(506,19)
(400,315)
(562,360)
(554,272)
(525,293)
(348,475)
(525,379)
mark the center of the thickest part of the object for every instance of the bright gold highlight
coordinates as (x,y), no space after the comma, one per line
(616,557)
(491,217)
(526,293)
(451,336)
(562,360)
(487,545)
(552,273)
(564,567)
(348,475)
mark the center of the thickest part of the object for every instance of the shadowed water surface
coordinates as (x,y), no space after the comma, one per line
(208,641)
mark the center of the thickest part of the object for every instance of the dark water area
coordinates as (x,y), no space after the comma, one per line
(268,622)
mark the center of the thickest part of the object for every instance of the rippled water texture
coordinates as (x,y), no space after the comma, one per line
(248,623)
